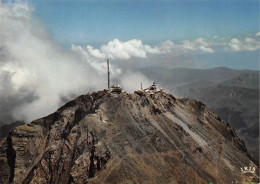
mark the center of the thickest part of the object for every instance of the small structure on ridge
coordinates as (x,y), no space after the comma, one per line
(150,90)
(116,88)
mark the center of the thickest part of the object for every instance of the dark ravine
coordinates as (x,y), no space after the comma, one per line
(11,155)
(126,138)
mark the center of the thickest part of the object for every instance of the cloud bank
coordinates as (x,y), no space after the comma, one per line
(120,50)
(36,74)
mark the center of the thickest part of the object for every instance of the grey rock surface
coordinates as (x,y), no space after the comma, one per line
(126,138)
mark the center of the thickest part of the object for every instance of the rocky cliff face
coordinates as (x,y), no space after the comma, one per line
(232,94)
(126,138)
(5,128)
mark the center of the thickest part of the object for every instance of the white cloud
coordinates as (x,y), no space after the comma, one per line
(92,57)
(120,50)
(200,44)
(117,49)
(95,52)
(206,49)
(167,46)
(257,34)
(36,66)
(246,44)
(188,45)
(35,72)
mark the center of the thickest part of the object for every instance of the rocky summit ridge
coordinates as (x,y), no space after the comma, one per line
(105,137)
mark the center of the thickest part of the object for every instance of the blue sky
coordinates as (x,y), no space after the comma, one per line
(37,68)
(228,28)
(151,21)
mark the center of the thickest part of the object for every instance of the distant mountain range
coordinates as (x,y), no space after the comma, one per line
(232,94)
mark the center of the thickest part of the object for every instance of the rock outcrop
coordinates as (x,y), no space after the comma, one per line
(5,128)
(126,138)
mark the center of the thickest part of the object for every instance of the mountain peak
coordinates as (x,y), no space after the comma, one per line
(144,137)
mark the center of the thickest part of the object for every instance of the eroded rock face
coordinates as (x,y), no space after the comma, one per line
(5,128)
(126,138)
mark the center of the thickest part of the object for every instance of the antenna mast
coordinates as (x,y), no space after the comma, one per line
(108,75)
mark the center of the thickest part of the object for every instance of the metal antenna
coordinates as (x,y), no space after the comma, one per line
(108,75)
